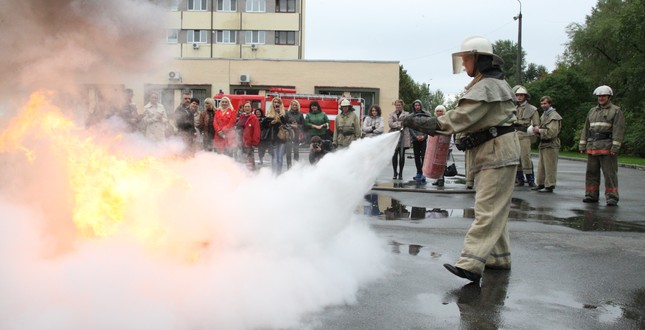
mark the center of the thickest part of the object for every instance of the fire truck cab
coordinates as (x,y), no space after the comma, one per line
(329,103)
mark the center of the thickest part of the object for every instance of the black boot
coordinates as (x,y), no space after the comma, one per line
(519,179)
(530,179)
(438,183)
(538,187)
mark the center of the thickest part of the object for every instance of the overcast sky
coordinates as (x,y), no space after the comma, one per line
(422,34)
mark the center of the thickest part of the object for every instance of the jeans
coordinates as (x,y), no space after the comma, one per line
(277,157)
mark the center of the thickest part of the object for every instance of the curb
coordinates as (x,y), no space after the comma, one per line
(636,167)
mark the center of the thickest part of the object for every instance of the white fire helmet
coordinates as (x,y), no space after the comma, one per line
(345,103)
(603,90)
(521,90)
(472,45)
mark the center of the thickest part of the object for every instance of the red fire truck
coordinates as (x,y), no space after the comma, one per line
(328,103)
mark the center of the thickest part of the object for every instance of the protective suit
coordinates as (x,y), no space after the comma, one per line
(485,115)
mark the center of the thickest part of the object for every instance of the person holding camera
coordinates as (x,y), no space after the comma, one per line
(373,124)
(318,148)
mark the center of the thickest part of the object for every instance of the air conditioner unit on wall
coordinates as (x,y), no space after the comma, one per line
(254,46)
(195,46)
(174,75)
(245,78)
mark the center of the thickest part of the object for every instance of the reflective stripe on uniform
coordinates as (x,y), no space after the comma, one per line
(616,143)
(592,188)
(470,256)
(611,190)
(598,152)
(600,124)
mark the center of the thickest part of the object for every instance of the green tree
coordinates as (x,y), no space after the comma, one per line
(409,90)
(434,99)
(610,49)
(569,89)
(507,50)
(534,72)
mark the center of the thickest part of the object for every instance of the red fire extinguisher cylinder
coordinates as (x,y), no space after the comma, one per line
(434,162)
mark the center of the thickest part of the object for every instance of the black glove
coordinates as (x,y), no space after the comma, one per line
(422,123)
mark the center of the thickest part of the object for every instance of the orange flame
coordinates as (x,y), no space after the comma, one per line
(103,184)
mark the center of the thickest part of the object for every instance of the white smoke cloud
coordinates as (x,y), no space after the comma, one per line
(239,250)
(270,249)
(61,44)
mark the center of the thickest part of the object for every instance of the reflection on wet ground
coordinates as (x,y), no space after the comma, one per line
(387,208)
(412,249)
(485,306)
(455,184)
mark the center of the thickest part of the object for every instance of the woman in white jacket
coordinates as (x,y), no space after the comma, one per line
(155,119)
(373,124)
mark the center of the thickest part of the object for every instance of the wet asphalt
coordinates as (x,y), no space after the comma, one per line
(575,265)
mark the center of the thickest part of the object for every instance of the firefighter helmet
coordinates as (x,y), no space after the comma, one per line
(603,90)
(345,103)
(521,90)
(472,45)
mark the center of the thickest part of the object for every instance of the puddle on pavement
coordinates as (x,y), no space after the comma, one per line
(386,208)
(395,210)
(411,249)
(449,182)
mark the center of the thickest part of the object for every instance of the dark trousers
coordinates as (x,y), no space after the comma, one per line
(398,158)
(292,147)
(262,149)
(419,148)
(609,166)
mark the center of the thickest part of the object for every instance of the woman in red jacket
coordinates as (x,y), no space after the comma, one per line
(224,122)
(251,133)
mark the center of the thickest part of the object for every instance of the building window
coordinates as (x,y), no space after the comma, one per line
(285,37)
(227,5)
(172,36)
(254,37)
(285,6)
(197,36)
(197,5)
(226,37)
(257,6)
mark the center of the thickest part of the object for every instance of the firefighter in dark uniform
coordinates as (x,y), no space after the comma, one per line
(527,115)
(601,140)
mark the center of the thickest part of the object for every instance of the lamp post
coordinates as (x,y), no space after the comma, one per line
(518,72)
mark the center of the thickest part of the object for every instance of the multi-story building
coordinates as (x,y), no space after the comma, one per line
(246,29)
(250,46)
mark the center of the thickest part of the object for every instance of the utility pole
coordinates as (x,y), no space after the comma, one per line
(518,71)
